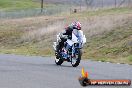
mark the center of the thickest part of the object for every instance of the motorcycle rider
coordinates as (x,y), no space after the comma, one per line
(67,34)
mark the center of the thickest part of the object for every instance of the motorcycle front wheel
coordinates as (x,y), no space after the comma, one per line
(76,61)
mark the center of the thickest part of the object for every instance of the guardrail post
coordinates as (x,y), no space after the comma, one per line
(42,5)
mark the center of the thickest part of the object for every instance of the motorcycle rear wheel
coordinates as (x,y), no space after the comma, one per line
(58,60)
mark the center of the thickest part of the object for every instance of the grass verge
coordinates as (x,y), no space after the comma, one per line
(11,5)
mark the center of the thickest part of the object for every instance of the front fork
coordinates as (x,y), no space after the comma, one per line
(73,53)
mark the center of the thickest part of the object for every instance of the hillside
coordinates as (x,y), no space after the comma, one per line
(108,32)
(113,46)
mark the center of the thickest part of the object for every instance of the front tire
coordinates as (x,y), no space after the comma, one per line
(78,58)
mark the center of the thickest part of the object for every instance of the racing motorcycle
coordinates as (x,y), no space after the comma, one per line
(72,50)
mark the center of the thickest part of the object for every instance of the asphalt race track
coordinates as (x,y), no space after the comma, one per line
(18,71)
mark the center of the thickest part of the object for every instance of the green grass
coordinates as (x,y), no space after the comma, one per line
(9,5)
(103,12)
(129,58)
(28,49)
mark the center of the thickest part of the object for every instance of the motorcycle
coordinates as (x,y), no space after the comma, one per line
(72,50)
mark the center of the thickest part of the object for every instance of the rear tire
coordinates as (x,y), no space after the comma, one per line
(78,58)
(58,61)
